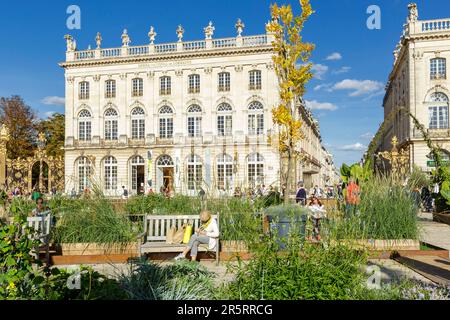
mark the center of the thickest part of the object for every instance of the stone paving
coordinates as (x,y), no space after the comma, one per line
(434,233)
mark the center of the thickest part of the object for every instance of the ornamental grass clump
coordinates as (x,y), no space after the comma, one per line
(180,281)
(93,221)
(315,273)
(387,211)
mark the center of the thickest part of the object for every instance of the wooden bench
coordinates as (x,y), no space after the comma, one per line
(156,227)
(42,226)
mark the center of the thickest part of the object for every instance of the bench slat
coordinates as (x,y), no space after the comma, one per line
(150,227)
(157,228)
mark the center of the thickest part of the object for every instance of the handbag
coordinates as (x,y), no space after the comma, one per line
(178,236)
(187,234)
(170,235)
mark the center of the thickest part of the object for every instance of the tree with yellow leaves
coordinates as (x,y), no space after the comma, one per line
(293,69)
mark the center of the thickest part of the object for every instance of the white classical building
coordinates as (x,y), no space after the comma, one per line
(183,115)
(419,83)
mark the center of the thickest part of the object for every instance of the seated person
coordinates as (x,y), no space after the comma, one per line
(40,209)
(208,234)
(318,212)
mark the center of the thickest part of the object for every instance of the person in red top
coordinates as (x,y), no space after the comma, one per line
(352,198)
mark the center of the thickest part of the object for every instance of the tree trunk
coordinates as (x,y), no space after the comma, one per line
(287,190)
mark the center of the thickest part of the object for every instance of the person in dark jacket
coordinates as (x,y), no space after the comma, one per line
(301,195)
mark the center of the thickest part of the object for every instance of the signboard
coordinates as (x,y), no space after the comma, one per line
(432,163)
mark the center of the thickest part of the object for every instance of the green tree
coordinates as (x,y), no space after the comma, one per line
(53,128)
(293,68)
(21,121)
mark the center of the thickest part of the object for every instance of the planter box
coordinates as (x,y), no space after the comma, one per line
(442,218)
(233,246)
(89,249)
(382,245)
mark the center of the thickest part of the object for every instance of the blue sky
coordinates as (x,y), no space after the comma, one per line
(352,63)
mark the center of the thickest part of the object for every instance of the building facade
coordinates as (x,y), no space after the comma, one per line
(419,83)
(184,115)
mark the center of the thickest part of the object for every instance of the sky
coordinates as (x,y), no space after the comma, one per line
(351,62)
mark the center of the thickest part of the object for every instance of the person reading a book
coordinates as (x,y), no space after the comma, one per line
(208,233)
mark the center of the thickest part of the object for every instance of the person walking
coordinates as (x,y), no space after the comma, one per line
(318,212)
(124,193)
(352,198)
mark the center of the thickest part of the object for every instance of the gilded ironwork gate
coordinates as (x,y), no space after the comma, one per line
(19,172)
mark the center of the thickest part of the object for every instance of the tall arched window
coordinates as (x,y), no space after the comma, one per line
(255,171)
(111,124)
(110,169)
(224,120)
(438,111)
(194,121)
(84,125)
(255,118)
(224,172)
(194,172)
(166,122)
(438,68)
(138,123)
(84,171)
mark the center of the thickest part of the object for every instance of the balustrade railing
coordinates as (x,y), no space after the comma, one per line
(250,41)
(138,51)
(110,53)
(435,25)
(224,43)
(167,47)
(194,45)
(254,41)
(85,55)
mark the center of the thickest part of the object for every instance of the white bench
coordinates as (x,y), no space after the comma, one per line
(42,226)
(156,227)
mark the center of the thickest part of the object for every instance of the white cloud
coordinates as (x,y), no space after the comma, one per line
(359,87)
(319,70)
(49,113)
(334,56)
(367,135)
(325,86)
(353,147)
(315,105)
(54,101)
(342,70)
